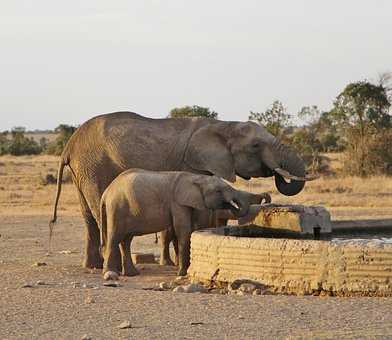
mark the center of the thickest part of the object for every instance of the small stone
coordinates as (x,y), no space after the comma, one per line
(39,264)
(257,291)
(111,284)
(179,289)
(165,285)
(194,288)
(241,317)
(86,337)
(239,292)
(110,275)
(247,288)
(27,285)
(41,283)
(125,324)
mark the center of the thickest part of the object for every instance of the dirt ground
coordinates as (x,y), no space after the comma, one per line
(65,301)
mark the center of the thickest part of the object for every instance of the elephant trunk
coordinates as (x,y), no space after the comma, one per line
(237,204)
(286,164)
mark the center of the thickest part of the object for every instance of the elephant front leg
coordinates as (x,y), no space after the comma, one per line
(128,268)
(166,237)
(183,228)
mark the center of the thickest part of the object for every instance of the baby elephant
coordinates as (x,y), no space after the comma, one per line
(141,202)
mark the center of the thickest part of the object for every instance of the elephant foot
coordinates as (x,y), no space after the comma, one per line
(93,258)
(93,263)
(182,272)
(130,272)
(166,262)
(110,275)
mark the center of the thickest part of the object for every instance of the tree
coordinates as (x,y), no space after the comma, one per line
(64,134)
(275,119)
(362,109)
(193,111)
(20,145)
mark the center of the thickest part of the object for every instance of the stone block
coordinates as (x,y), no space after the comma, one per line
(297,218)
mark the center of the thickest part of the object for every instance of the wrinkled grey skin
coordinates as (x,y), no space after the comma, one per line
(143,202)
(106,145)
(203,219)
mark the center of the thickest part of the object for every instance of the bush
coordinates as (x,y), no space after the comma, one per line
(374,157)
(20,145)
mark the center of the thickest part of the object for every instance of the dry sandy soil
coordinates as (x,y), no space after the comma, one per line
(66,301)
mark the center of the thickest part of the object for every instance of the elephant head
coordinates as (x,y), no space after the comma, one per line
(210,192)
(246,149)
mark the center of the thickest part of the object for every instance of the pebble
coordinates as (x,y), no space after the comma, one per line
(125,324)
(86,337)
(41,283)
(194,288)
(39,264)
(110,275)
(247,288)
(27,285)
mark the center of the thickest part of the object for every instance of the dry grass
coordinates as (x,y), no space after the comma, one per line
(22,190)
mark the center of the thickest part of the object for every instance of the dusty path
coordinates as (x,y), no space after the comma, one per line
(73,302)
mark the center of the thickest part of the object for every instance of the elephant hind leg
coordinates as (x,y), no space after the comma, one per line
(128,268)
(166,237)
(92,257)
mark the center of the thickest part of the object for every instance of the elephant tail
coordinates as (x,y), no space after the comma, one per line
(103,224)
(63,162)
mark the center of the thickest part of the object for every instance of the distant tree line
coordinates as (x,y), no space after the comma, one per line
(359,124)
(16,143)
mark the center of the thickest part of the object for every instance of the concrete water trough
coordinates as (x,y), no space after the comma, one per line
(346,258)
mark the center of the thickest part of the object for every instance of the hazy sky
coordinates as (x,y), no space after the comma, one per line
(66,61)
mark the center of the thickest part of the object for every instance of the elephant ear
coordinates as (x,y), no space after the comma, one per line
(187,192)
(208,151)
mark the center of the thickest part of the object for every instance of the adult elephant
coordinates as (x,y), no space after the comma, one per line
(108,144)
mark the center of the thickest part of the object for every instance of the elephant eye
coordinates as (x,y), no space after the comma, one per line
(255,145)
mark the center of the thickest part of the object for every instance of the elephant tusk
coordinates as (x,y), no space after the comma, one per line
(235,205)
(287,175)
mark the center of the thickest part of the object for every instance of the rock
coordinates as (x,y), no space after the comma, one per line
(41,283)
(27,285)
(179,289)
(239,292)
(39,264)
(111,284)
(86,337)
(247,288)
(257,291)
(110,275)
(165,285)
(125,324)
(194,288)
